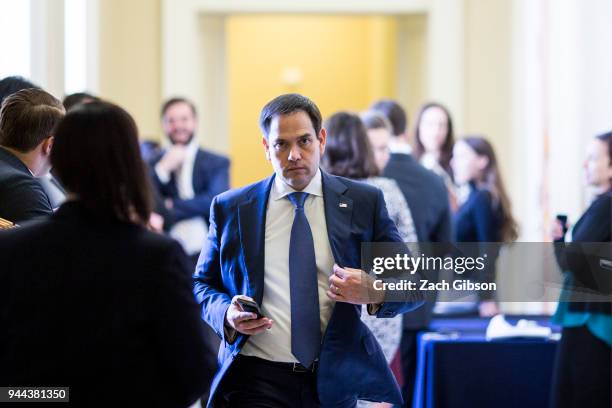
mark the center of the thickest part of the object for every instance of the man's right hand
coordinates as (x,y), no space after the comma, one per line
(245,322)
(173,158)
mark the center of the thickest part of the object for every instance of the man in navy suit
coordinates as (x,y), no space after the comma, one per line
(27,120)
(186,176)
(292,244)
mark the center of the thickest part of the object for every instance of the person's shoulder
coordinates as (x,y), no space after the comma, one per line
(153,240)
(407,167)
(481,197)
(384,183)
(213,159)
(603,204)
(239,195)
(360,187)
(24,188)
(10,175)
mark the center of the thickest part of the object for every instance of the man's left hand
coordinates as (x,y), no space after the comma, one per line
(354,286)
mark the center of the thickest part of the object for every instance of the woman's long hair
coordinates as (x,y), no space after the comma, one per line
(491,180)
(96,156)
(446,150)
(348,152)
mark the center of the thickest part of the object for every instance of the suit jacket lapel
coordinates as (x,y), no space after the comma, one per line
(338,214)
(197,174)
(252,228)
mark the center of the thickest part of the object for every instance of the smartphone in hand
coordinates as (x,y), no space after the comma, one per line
(250,307)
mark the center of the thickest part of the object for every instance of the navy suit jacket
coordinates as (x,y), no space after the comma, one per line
(22,197)
(427,199)
(210,177)
(351,363)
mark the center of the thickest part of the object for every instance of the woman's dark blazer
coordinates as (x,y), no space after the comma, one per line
(580,259)
(103,307)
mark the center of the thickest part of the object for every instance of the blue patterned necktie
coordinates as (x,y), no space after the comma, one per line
(305,315)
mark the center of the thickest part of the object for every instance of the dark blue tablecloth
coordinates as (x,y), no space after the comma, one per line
(460,369)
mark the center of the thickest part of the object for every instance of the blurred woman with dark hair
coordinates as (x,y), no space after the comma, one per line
(582,374)
(486,214)
(89,298)
(348,153)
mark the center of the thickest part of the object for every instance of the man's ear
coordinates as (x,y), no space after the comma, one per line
(47,144)
(264,142)
(322,139)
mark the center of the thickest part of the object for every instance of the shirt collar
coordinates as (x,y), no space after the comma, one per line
(193,146)
(280,189)
(399,147)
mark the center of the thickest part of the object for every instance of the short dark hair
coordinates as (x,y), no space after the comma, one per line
(173,101)
(395,113)
(348,152)
(287,104)
(374,119)
(11,84)
(27,117)
(97,157)
(77,98)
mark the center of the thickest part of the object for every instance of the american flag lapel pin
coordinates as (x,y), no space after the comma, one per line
(343,205)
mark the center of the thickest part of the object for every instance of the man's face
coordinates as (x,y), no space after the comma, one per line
(379,140)
(179,123)
(597,166)
(294,149)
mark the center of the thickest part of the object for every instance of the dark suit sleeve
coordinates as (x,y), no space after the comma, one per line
(208,284)
(386,231)
(179,330)
(442,231)
(26,201)
(218,182)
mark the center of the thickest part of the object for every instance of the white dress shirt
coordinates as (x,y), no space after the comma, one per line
(190,233)
(399,147)
(275,344)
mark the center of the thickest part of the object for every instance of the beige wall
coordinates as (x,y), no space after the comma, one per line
(348,73)
(412,62)
(488,75)
(130,59)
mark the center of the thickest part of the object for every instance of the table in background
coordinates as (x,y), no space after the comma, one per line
(460,369)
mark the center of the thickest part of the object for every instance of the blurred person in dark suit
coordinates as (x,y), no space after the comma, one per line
(89,298)
(427,198)
(186,176)
(27,120)
(50,185)
(583,364)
